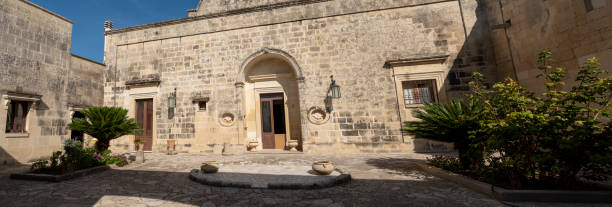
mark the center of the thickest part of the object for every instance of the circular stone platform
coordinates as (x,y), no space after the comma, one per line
(270,176)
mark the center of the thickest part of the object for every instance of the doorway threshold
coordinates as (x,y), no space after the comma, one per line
(275,151)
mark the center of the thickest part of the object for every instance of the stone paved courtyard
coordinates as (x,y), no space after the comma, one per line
(378,180)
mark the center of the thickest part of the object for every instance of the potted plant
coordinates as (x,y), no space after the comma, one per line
(171,150)
(139,144)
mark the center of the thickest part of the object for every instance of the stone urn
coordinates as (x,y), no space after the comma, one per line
(323,167)
(209,167)
(140,151)
(292,144)
(253,146)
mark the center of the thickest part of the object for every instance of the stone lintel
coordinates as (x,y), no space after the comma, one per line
(142,83)
(19,96)
(200,98)
(416,61)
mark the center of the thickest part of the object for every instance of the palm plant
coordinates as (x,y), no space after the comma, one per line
(105,124)
(452,122)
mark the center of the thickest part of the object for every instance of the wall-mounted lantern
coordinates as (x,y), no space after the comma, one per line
(335,94)
(172,100)
(335,89)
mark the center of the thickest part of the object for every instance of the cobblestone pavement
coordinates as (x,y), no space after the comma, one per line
(378,180)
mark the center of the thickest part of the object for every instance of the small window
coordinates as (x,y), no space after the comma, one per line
(17,116)
(418,92)
(202,105)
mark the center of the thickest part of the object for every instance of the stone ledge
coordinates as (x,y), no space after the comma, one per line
(195,176)
(344,177)
(503,194)
(58,178)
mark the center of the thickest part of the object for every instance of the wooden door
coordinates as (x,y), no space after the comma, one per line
(267,124)
(273,121)
(144,118)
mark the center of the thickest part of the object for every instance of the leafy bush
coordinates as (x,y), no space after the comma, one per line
(553,137)
(75,157)
(446,162)
(107,158)
(105,124)
(528,140)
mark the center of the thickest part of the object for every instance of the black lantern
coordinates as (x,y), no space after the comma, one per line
(172,100)
(335,89)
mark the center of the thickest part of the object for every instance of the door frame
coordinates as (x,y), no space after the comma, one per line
(137,94)
(256,89)
(145,114)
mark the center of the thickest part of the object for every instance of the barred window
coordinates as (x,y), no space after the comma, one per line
(418,92)
(16,116)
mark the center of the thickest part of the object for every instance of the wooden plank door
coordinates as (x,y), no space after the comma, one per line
(144,118)
(273,121)
(267,123)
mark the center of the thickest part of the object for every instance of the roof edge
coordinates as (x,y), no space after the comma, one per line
(87,59)
(216,15)
(47,11)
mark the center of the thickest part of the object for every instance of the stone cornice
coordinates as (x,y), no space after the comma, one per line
(216,15)
(47,11)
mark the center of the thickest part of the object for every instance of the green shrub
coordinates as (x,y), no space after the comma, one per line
(452,122)
(74,157)
(105,124)
(553,137)
(527,140)
(446,162)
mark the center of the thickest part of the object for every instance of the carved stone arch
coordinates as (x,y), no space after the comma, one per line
(264,51)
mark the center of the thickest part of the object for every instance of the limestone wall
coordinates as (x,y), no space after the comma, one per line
(573,30)
(352,40)
(35,60)
(85,87)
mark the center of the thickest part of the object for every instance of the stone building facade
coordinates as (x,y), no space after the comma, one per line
(259,71)
(573,30)
(236,72)
(41,83)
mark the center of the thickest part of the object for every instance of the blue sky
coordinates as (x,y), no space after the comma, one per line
(89,16)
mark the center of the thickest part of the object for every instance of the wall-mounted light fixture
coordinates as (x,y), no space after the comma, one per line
(172,100)
(335,94)
(335,89)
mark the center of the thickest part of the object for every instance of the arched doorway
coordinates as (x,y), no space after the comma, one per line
(77,135)
(271,99)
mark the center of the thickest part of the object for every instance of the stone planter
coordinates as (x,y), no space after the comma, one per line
(510,195)
(58,178)
(209,167)
(252,146)
(292,144)
(323,167)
